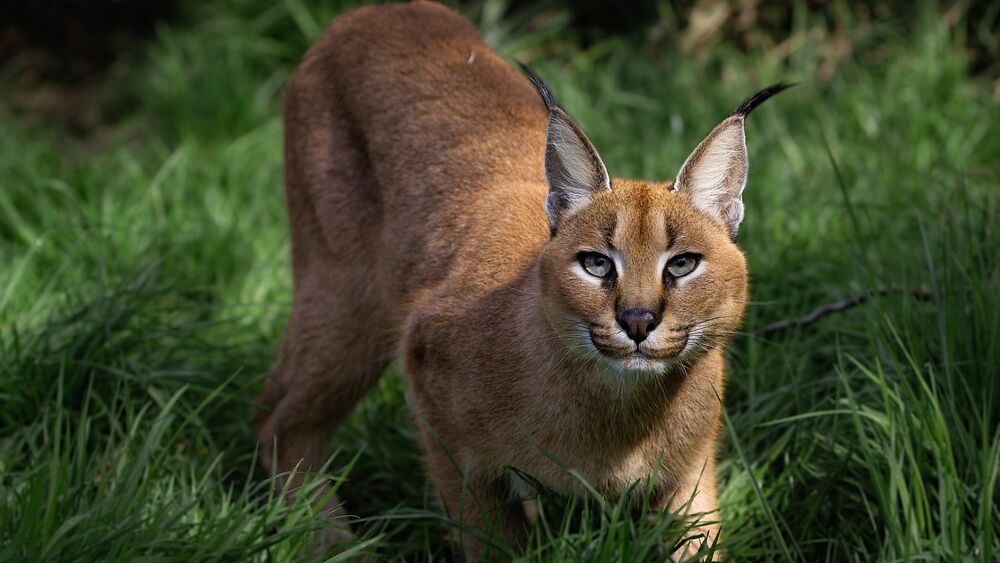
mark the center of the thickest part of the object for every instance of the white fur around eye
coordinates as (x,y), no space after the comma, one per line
(686,279)
(582,273)
(661,263)
(616,257)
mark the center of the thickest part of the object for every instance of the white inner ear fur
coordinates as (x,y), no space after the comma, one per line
(715,174)
(580,171)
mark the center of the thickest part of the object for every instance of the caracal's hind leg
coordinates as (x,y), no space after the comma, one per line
(328,360)
(340,337)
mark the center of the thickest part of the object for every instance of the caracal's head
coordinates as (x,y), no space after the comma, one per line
(642,278)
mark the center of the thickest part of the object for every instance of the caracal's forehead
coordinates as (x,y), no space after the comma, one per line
(644,218)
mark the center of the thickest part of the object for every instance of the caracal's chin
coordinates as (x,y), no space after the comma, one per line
(641,364)
(626,371)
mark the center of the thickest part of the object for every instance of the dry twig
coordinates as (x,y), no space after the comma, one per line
(818,313)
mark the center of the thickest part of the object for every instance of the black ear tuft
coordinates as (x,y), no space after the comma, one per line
(752,102)
(541,87)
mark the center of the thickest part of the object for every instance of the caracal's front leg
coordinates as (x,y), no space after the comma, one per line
(482,507)
(695,501)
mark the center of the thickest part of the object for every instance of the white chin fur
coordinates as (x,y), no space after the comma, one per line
(624,373)
(641,364)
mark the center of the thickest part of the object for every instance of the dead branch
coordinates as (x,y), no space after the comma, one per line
(818,313)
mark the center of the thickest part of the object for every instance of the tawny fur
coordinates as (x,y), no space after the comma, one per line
(415,187)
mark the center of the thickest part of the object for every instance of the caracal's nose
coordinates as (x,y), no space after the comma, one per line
(637,323)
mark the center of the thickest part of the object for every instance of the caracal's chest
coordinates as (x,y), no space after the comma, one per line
(575,474)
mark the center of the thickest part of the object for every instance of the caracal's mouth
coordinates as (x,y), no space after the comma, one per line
(643,356)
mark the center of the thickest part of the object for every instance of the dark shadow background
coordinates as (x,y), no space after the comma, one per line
(67,48)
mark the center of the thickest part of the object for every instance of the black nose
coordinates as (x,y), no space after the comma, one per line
(637,323)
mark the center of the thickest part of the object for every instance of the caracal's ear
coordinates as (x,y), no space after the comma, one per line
(573,168)
(716,172)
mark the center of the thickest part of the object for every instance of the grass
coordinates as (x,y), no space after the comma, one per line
(144,285)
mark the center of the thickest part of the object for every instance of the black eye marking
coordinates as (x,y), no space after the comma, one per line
(609,234)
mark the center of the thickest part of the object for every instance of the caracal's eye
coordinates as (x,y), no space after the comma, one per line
(683,264)
(597,264)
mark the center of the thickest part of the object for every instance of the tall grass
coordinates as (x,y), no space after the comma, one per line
(145,282)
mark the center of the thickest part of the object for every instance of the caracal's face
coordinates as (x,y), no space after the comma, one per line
(641,283)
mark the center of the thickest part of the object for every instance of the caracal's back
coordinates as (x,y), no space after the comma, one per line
(409,123)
